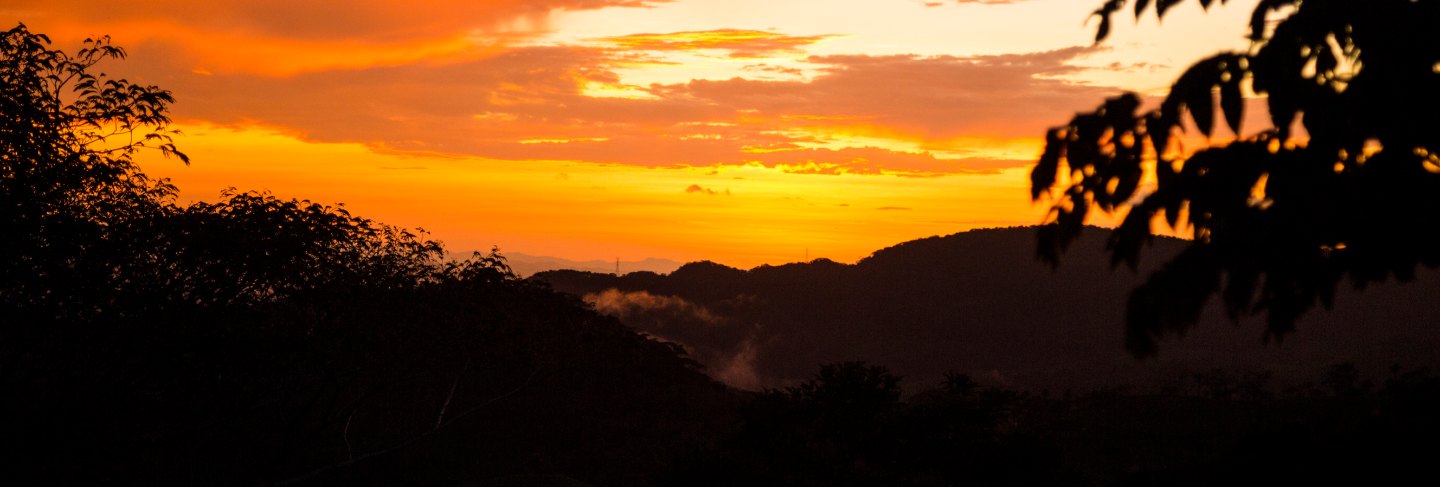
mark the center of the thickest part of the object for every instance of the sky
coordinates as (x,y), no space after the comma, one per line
(745,132)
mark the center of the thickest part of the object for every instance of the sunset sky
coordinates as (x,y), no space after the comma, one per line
(739,131)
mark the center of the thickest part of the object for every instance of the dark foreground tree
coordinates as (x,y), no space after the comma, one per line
(68,181)
(1342,184)
(257,340)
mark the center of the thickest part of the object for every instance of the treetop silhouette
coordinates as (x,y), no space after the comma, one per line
(88,234)
(255,339)
(1280,216)
(67,175)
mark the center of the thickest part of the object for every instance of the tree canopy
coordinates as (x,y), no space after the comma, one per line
(68,181)
(89,234)
(1341,184)
(254,339)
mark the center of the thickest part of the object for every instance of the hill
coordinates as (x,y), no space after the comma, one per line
(525,265)
(980,303)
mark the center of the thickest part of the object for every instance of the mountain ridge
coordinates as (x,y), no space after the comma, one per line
(979,302)
(525,265)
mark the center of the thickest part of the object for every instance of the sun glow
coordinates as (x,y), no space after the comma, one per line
(752,215)
(740,131)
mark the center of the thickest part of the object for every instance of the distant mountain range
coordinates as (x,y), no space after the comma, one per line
(526,265)
(980,303)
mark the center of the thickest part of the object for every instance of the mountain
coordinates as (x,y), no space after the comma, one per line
(980,303)
(527,265)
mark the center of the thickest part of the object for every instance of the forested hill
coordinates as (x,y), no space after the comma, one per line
(254,340)
(980,302)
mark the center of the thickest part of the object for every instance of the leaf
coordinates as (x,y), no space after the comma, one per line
(1044,174)
(1260,16)
(1158,128)
(1140,7)
(1232,102)
(1162,6)
(1172,214)
(1282,114)
(1201,102)
(1127,239)
(1073,220)
(1121,109)
(1195,90)
(1104,12)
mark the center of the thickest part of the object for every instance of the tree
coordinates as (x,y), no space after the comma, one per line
(1340,186)
(69,186)
(87,234)
(255,338)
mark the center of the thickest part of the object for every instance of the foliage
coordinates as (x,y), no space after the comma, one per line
(257,339)
(847,425)
(1339,186)
(90,235)
(68,181)
(1227,428)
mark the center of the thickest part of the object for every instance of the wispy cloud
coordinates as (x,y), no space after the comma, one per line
(859,115)
(281,38)
(726,348)
(412,80)
(698,189)
(737,43)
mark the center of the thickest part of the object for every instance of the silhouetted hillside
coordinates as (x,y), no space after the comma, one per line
(979,302)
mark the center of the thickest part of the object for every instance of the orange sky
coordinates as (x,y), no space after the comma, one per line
(740,131)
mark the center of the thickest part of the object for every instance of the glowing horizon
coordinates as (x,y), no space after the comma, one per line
(742,132)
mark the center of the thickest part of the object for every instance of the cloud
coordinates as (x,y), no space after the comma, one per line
(320,19)
(773,69)
(408,80)
(1134,67)
(726,348)
(463,83)
(738,368)
(922,97)
(859,115)
(695,188)
(275,37)
(737,43)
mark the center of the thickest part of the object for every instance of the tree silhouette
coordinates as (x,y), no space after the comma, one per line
(68,181)
(257,339)
(1340,186)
